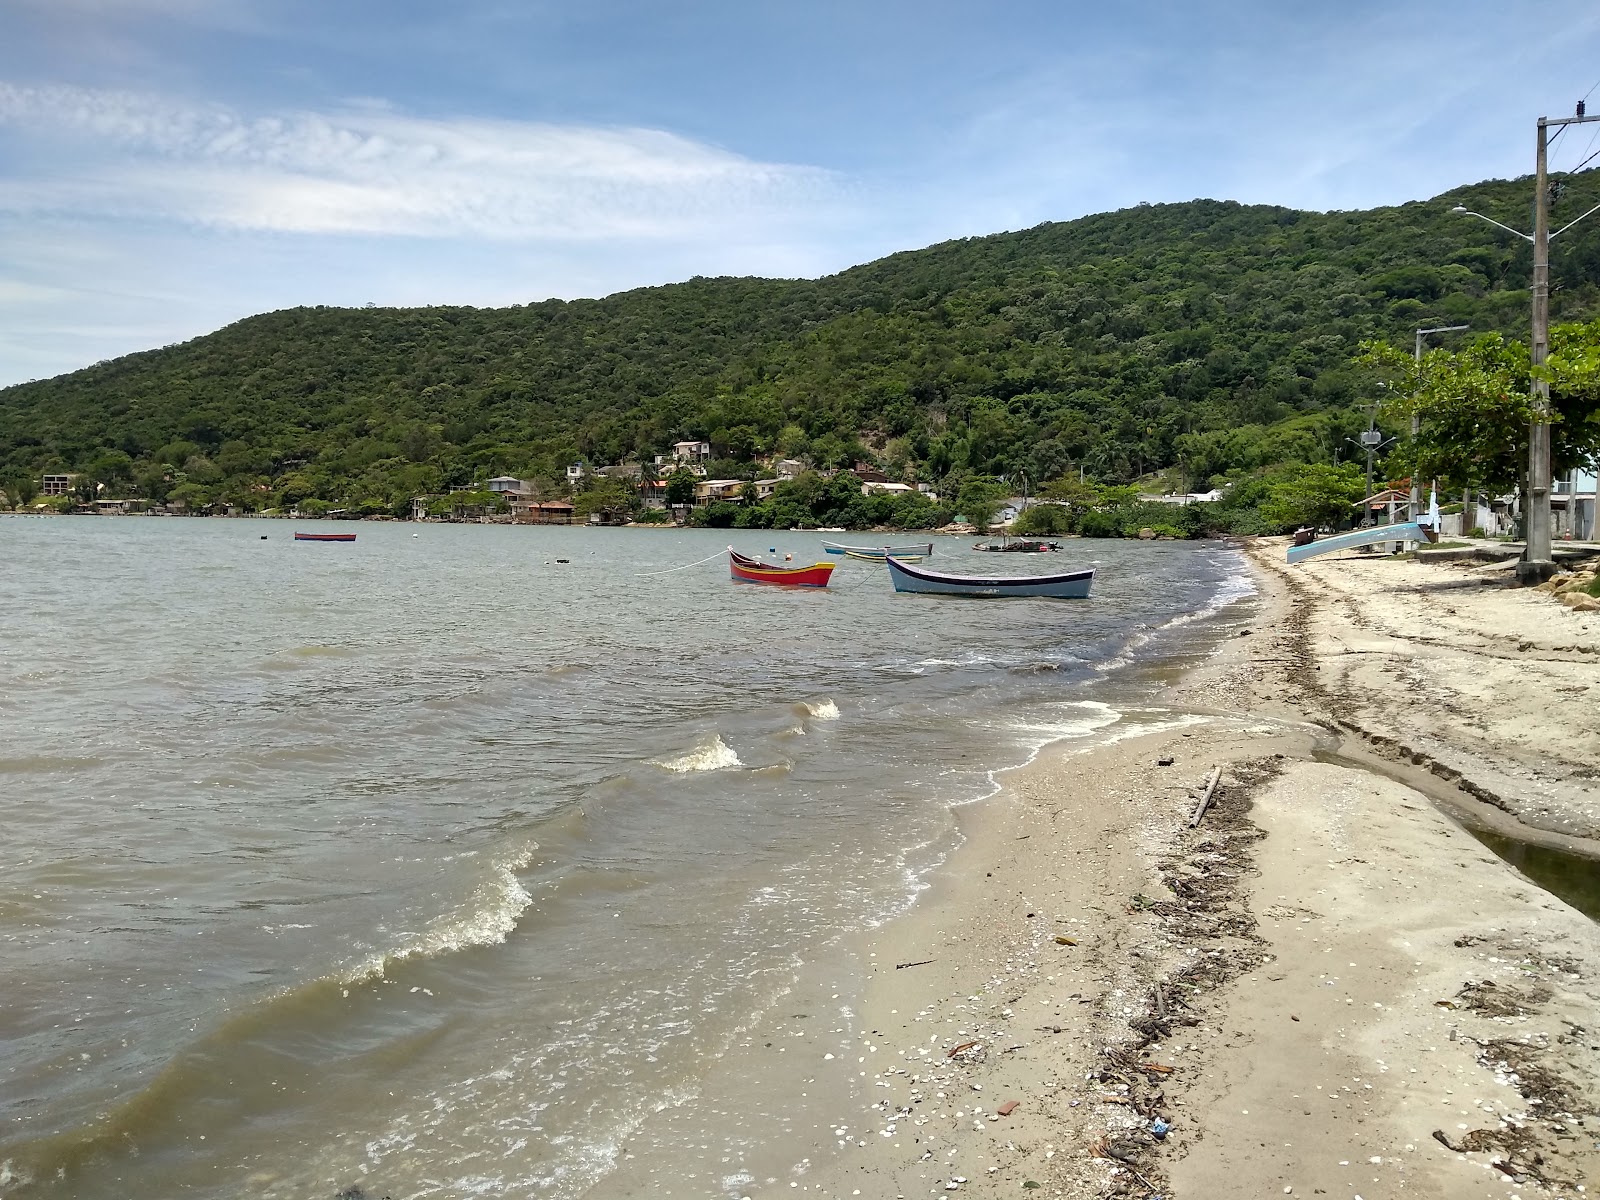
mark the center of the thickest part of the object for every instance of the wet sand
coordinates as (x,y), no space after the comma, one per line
(1328,986)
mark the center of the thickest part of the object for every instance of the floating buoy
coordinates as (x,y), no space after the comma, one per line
(263,537)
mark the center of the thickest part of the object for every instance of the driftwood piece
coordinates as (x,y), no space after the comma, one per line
(1205,800)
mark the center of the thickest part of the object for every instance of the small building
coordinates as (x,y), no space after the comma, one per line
(576,472)
(541,512)
(505,483)
(868,473)
(653,492)
(621,471)
(766,488)
(691,452)
(419,506)
(877,487)
(708,490)
(788,468)
(56,485)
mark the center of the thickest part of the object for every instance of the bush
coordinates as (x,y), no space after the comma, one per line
(1100,523)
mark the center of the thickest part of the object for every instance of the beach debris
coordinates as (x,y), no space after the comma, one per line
(1063,940)
(1009,1107)
(924,962)
(1205,800)
(1166,760)
(1160,1128)
(963,1048)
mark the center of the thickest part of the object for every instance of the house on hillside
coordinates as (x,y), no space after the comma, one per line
(691,452)
(56,485)
(708,490)
(575,473)
(880,487)
(505,484)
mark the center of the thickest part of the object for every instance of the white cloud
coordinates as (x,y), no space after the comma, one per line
(121,155)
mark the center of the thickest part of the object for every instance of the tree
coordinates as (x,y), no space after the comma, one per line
(979,500)
(680,486)
(1315,494)
(1474,406)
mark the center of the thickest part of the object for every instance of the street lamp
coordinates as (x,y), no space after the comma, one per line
(1373,443)
(1537,565)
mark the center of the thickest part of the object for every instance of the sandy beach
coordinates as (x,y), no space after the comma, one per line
(1327,986)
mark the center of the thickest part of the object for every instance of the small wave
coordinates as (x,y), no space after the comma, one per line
(712,754)
(818,710)
(489,916)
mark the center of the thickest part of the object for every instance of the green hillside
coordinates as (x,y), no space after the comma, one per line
(1208,336)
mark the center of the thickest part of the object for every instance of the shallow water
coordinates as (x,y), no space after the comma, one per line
(431,862)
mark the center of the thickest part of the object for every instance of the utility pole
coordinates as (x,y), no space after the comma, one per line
(1537,565)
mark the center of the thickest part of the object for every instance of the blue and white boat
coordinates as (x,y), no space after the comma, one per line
(1067,585)
(1424,529)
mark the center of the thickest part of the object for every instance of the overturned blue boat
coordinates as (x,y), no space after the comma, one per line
(1068,585)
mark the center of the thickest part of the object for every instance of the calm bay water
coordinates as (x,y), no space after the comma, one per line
(436,865)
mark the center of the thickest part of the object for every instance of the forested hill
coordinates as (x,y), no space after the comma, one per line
(1207,335)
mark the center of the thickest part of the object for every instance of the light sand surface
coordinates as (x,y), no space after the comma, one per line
(1327,988)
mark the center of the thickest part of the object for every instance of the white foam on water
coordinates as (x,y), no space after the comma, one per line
(712,754)
(819,710)
(488,916)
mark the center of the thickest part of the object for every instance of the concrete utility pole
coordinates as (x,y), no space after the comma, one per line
(1537,564)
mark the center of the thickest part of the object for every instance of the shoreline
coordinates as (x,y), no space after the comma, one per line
(1092,999)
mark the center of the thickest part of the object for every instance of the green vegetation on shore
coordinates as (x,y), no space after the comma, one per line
(1172,347)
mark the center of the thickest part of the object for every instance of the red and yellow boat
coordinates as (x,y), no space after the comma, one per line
(753,570)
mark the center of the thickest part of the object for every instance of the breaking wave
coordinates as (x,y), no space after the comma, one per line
(490,915)
(818,710)
(712,754)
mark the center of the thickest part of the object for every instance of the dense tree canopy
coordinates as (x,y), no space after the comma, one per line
(1208,339)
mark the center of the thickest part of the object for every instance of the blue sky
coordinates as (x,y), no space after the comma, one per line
(169,166)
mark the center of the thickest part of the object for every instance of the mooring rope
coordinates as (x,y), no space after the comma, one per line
(685,567)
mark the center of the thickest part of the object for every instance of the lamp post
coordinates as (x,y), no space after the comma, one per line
(1372,442)
(1537,565)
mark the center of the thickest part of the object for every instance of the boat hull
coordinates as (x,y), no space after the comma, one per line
(1405,531)
(1069,585)
(751,570)
(878,552)
(324,537)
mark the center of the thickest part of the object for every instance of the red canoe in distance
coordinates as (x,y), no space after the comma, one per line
(752,570)
(324,537)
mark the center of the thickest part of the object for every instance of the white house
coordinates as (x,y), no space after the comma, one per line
(691,451)
(1573,502)
(576,472)
(505,483)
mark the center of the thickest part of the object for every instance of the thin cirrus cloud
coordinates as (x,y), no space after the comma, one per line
(118,156)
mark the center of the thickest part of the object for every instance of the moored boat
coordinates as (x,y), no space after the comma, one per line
(903,550)
(752,570)
(1011,545)
(324,537)
(880,555)
(1068,585)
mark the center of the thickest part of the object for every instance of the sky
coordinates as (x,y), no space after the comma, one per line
(168,167)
